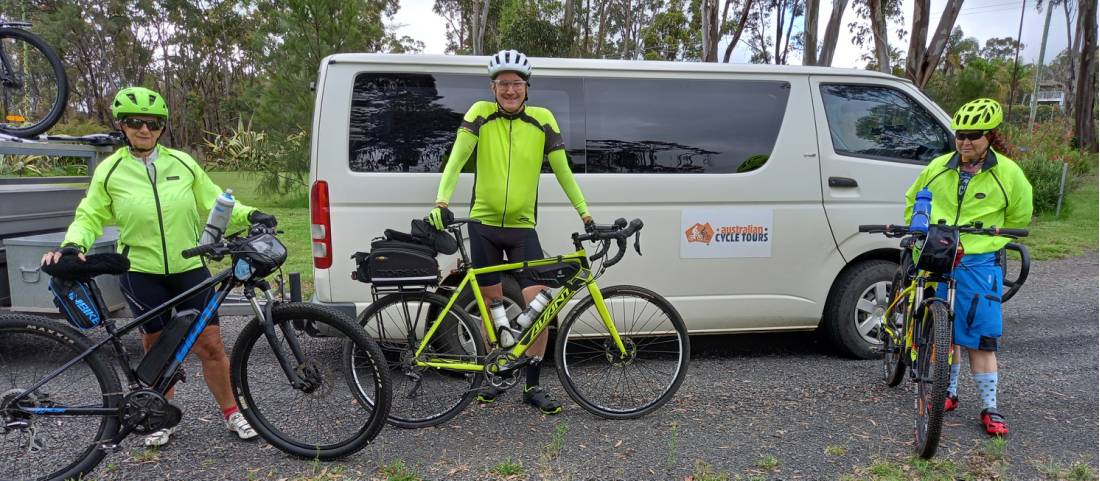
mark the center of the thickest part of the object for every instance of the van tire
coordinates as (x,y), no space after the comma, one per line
(840,327)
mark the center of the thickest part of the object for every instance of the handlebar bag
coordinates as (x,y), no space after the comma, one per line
(938,254)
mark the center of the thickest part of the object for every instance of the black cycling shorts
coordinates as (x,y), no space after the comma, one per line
(145,292)
(489,245)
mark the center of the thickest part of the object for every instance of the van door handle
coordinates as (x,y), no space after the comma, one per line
(842,182)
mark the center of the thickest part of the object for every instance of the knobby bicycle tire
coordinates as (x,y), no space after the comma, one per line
(893,347)
(933,373)
(656,340)
(424,396)
(25,341)
(264,395)
(59,80)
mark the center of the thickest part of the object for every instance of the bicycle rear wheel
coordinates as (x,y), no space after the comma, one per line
(608,383)
(425,396)
(33,84)
(51,447)
(932,375)
(324,419)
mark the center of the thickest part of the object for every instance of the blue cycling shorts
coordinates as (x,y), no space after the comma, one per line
(978,284)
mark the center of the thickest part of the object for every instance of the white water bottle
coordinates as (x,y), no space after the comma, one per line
(534,308)
(219,218)
(500,320)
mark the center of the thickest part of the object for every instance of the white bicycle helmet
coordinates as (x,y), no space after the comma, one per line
(509,61)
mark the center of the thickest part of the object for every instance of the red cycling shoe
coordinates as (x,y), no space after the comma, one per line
(951,403)
(994,422)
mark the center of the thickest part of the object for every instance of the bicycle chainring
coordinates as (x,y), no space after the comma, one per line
(493,373)
(148,411)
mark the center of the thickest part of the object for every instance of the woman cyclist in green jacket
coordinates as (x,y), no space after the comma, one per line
(977,183)
(153,194)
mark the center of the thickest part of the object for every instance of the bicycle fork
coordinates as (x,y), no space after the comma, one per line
(301,376)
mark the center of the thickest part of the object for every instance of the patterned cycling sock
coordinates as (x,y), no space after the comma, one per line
(953,382)
(533,369)
(987,388)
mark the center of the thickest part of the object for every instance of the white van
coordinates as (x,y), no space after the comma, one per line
(751,179)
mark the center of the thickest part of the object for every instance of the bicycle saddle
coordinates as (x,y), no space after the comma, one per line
(70,266)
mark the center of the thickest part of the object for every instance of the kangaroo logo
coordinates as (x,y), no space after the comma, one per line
(702,233)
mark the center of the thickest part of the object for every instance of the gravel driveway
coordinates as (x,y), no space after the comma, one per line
(775,406)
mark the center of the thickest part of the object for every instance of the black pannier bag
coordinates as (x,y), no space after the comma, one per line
(78,300)
(938,254)
(553,275)
(392,263)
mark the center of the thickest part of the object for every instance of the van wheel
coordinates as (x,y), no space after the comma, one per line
(853,312)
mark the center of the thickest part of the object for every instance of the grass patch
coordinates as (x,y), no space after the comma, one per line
(705,472)
(246,188)
(767,463)
(1078,471)
(557,441)
(1072,233)
(833,450)
(147,455)
(397,471)
(508,467)
(995,448)
(673,445)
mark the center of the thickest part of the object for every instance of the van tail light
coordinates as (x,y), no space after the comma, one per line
(958,256)
(320,226)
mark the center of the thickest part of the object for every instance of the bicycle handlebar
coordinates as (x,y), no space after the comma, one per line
(229,244)
(618,231)
(891,230)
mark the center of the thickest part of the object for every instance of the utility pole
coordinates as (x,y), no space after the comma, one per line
(1016,61)
(1039,70)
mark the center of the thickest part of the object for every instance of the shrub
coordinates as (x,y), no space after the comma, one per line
(1044,176)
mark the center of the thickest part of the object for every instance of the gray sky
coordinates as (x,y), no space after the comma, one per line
(981,19)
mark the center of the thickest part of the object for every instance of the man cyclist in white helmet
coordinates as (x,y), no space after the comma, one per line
(513,140)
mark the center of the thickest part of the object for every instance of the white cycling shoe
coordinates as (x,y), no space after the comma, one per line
(159,437)
(238,424)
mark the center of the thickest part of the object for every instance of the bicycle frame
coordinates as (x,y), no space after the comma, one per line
(565,294)
(914,293)
(164,383)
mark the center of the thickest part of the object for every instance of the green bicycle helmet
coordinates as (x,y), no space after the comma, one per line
(138,101)
(978,114)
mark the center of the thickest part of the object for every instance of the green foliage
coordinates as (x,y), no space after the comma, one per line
(42,166)
(705,472)
(78,126)
(527,26)
(508,467)
(397,471)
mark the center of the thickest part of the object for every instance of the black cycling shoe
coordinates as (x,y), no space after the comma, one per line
(538,397)
(488,394)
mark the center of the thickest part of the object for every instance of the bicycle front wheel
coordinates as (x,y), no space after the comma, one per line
(932,375)
(322,418)
(627,382)
(33,84)
(425,396)
(51,447)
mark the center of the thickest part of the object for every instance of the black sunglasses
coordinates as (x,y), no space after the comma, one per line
(971,136)
(136,123)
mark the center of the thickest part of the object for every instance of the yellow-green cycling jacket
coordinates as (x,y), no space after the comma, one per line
(156,220)
(510,153)
(998,195)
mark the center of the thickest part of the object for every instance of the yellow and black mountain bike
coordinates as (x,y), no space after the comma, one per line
(916,327)
(621,352)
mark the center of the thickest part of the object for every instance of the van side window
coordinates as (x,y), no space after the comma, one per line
(407,122)
(882,123)
(682,125)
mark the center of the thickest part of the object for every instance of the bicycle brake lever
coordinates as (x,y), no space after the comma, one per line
(638,242)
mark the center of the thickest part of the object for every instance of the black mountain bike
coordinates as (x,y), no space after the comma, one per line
(33,84)
(62,408)
(917,326)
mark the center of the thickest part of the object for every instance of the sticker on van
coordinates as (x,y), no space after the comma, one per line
(725,232)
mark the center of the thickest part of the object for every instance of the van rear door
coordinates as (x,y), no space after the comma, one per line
(874,138)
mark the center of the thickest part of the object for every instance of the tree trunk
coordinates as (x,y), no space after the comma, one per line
(587,26)
(878,30)
(780,12)
(809,53)
(939,42)
(832,32)
(917,38)
(481,18)
(739,29)
(1071,44)
(787,37)
(567,27)
(601,35)
(1084,126)
(710,30)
